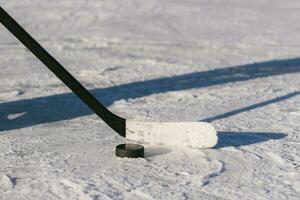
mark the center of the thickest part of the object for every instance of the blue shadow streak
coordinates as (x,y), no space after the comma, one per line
(67,106)
(251,107)
(238,139)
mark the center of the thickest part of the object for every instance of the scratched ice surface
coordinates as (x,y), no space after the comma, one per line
(232,63)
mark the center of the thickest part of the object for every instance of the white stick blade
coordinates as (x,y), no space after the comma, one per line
(180,134)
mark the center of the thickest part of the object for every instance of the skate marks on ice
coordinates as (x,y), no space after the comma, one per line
(220,169)
(67,106)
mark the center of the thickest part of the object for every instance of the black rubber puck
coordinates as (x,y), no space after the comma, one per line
(130,151)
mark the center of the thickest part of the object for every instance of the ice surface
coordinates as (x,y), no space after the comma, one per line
(232,63)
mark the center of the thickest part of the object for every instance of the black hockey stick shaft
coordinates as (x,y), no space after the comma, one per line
(115,122)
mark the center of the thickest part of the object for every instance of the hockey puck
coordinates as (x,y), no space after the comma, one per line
(130,151)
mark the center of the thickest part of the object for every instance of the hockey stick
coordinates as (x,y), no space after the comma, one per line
(115,122)
(194,134)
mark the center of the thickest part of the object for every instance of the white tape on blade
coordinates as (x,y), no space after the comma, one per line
(181,134)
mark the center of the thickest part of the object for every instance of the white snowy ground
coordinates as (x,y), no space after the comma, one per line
(234,63)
